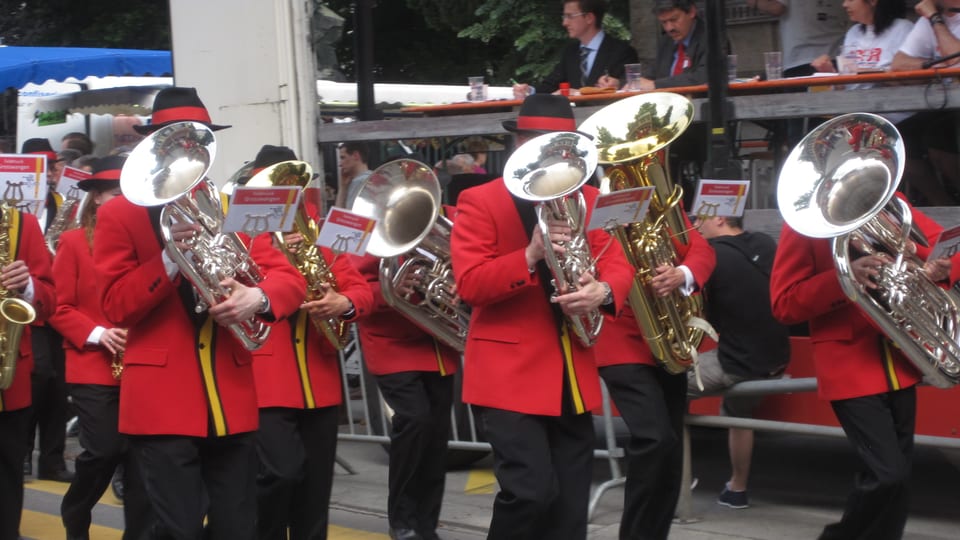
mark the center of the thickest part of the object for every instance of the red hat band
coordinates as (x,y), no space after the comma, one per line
(545,123)
(181,114)
(106,174)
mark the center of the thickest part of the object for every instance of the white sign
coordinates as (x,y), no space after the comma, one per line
(23,180)
(948,244)
(346,232)
(726,198)
(620,208)
(70,178)
(258,210)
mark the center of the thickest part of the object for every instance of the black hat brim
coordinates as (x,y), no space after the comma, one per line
(150,128)
(511,126)
(96,184)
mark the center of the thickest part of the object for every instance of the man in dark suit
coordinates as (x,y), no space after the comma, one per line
(594,59)
(682,49)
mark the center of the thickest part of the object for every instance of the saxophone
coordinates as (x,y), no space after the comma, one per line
(306,256)
(632,135)
(14,312)
(550,169)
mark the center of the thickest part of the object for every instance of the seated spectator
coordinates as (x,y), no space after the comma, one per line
(807,30)
(880,27)
(682,49)
(478,149)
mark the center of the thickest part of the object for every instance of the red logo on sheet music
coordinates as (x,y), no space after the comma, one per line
(72,173)
(18,163)
(722,189)
(623,197)
(263,196)
(346,219)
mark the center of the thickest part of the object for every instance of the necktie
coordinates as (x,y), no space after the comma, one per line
(584,53)
(681,60)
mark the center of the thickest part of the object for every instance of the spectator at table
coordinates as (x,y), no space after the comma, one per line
(682,48)
(880,27)
(807,30)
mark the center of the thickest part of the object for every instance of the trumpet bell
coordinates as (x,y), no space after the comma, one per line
(404,197)
(168,163)
(549,166)
(637,126)
(840,175)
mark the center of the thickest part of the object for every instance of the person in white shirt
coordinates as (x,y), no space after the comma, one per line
(879,30)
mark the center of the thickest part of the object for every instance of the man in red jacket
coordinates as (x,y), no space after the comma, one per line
(188,400)
(24,274)
(532,384)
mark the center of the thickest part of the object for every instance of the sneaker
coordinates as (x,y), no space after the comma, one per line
(733,499)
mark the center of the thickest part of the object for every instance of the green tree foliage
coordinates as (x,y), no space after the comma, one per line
(131,24)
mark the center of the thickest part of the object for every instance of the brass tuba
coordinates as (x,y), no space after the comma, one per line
(631,136)
(14,312)
(413,241)
(67,218)
(549,170)
(307,257)
(169,168)
(840,182)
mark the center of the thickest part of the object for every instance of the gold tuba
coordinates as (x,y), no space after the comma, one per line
(169,168)
(631,136)
(839,182)
(549,170)
(413,241)
(14,312)
(307,257)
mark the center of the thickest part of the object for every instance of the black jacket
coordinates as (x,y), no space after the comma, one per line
(611,57)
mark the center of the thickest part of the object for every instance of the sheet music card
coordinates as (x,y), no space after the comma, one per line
(259,210)
(948,244)
(70,178)
(620,208)
(23,181)
(346,232)
(727,198)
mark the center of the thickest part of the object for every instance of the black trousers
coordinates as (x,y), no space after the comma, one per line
(49,407)
(183,474)
(13,449)
(104,447)
(421,402)
(880,428)
(297,450)
(543,465)
(652,402)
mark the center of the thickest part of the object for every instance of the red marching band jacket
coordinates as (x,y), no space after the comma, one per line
(515,356)
(79,313)
(27,245)
(849,355)
(180,378)
(298,367)
(619,340)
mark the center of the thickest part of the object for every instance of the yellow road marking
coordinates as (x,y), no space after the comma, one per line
(60,488)
(42,526)
(480,482)
(342,533)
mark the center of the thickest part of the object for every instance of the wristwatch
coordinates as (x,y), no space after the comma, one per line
(350,312)
(608,296)
(936,18)
(264,302)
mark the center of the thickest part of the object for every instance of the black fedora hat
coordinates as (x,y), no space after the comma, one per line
(543,113)
(271,155)
(106,173)
(177,104)
(39,146)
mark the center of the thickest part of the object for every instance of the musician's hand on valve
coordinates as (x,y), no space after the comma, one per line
(242,304)
(15,276)
(114,340)
(588,296)
(560,233)
(292,240)
(866,270)
(182,233)
(667,280)
(331,304)
(938,269)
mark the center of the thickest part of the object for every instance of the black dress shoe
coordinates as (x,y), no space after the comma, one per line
(62,475)
(404,534)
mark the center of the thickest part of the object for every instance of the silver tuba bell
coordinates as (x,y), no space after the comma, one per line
(169,168)
(839,183)
(549,170)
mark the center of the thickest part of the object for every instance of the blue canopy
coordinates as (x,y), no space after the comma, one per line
(22,65)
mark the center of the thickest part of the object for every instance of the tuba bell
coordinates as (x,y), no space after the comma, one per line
(14,312)
(840,182)
(413,241)
(307,257)
(631,136)
(549,170)
(169,168)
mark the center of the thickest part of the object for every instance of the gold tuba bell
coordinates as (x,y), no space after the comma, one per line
(14,312)
(307,257)
(413,241)
(549,170)
(840,182)
(631,137)
(169,168)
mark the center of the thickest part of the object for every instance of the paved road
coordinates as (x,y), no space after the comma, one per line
(799,484)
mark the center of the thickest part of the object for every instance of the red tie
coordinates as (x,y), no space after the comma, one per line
(681,60)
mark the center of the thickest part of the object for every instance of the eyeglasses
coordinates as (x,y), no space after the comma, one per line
(568,16)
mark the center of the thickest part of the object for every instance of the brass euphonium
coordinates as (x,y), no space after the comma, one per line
(549,170)
(306,257)
(413,241)
(169,168)
(14,312)
(67,218)
(631,137)
(840,182)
